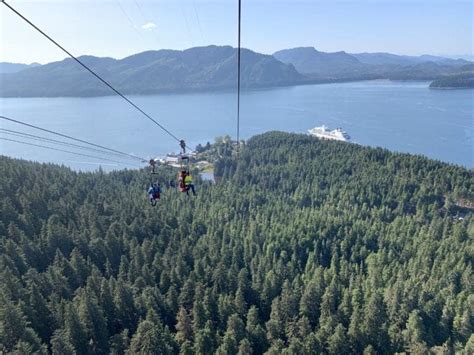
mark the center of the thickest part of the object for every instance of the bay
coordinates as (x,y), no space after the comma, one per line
(401,116)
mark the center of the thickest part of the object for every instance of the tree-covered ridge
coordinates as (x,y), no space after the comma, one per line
(303,246)
(151,72)
(215,68)
(461,81)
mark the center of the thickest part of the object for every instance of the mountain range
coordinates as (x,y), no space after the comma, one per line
(342,65)
(6,67)
(215,67)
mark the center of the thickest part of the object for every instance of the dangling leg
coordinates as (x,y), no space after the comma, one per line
(152,165)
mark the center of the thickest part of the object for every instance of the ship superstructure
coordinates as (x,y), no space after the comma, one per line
(325,133)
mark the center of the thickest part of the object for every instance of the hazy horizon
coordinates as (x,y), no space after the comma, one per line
(121,28)
(469,57)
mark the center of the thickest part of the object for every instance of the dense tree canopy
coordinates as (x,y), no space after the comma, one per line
(302,247)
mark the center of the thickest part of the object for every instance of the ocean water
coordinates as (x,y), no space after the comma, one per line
(400,116)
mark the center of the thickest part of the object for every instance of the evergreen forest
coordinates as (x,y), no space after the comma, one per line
(301,246)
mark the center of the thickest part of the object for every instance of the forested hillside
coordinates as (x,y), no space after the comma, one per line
(151,72)
(461,81)
(302,247)
(215,68)
(342,66)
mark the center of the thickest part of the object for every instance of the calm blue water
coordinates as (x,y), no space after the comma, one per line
(400,116)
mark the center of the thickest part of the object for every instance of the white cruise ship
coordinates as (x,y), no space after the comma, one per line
(323,132)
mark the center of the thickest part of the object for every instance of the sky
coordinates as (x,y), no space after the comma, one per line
(118,28)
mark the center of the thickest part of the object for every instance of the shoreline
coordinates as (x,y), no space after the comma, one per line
(222,90)
(451,88)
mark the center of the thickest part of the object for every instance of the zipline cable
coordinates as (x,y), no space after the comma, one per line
(146,18)
(198,21)
(68,151)
(132,24)
(55,141)
(92,72)
(238,75)
(187,24)
(72,138)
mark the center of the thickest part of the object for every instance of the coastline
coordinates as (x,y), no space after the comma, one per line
(450,88)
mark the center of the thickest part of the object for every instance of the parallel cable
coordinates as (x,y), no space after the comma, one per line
(187,24)
(238,73)
(92,72)
(72,138)
(55,141)
(67,151)
(140,9)
(129,19)
(142,13)
(152,18)
(198,21)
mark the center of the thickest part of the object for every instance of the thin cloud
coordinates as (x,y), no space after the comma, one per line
(148,26)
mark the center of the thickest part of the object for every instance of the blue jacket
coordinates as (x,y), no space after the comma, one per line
(154,190)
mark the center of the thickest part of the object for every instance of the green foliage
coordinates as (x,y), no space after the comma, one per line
(464,80)
(184,330)
(302,246)
(60,344)
(149,339)
(199,68)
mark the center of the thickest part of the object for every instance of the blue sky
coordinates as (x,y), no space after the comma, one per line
(118,28)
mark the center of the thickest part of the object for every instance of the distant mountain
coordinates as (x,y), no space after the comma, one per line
(308,60)
(468,57)
(468,67)
(199,68)
(404,60)
(215,67)
(382,59)
(341,66)
(441,60)
(15,67)
(421,71)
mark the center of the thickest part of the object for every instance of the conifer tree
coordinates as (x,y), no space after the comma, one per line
(60,343)
(184,327)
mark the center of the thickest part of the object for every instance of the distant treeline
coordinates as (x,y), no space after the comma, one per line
(215,68)
(460,81)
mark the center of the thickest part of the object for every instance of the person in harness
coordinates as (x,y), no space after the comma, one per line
(188,183)
(181,178)
(152,163)
(185,182)
(154,193)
